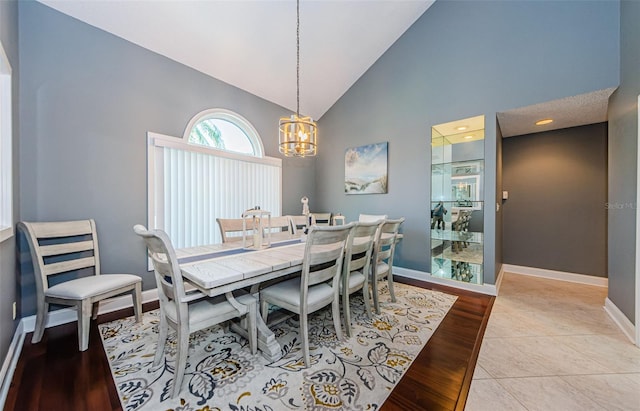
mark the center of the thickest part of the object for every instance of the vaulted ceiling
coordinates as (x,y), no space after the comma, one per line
(251,44)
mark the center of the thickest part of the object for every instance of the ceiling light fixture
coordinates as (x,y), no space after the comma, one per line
(543,122)
(297,135)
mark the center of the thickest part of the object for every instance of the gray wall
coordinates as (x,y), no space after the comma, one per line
(9,39)
(87,100)
(461,59)
(623,150)
(555,217)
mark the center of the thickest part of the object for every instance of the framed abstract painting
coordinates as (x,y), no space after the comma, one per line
(365,169)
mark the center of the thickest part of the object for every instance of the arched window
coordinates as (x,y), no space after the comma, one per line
(224,130)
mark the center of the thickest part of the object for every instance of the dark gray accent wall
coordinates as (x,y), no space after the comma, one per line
(623,151)
(555,217)
(88,99)
(461,59)
(8,289)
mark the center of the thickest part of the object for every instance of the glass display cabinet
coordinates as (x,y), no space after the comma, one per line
(457,206)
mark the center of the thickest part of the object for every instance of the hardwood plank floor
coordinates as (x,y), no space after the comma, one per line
(52,375)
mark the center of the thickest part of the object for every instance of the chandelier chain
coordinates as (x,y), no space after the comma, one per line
(298,58)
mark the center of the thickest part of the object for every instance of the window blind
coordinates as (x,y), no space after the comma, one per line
(193,186)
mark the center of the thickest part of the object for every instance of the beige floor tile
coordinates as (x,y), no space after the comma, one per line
(616,352)
(489,395)
(534,356)
(480,373)
(612,392)
(548,393)
(549,345)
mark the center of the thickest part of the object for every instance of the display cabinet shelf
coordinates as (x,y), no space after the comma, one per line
(457,207)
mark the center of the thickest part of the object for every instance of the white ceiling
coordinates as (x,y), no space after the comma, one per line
(252,44)
(574,111)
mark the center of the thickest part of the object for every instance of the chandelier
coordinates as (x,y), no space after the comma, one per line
(297,134)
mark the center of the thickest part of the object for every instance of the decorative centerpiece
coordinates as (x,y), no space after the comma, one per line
(256,224)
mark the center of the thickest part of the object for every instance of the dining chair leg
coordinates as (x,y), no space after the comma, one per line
(163,331)
(390,281)
(335,305)
(94,310)
(346,310)
(41,316)
(374,292)
(136,296)
(85,308)
(366,298)
(181,358)
(304,336)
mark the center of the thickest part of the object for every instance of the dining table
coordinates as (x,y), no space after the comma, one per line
(221,269)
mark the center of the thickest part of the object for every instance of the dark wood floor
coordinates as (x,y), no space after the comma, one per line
(53,375)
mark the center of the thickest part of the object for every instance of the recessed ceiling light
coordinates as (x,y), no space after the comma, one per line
(468,137)
(461,128)
(543,122)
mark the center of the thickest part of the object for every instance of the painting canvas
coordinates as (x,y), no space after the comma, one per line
(365,169)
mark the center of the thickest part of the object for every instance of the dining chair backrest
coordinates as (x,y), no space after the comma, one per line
(231,229)
(298,222)
(323,254)
(74,241)
(321,218)
(281,224)
(168,276)
(360,246)
(369,218)
(387,236)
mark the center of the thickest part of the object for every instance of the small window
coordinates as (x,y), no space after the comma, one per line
(224,130)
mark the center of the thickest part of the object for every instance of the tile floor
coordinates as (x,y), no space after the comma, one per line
(549,345)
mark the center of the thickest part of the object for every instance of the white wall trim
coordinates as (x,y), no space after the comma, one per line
(425,276)
(620,319)
(556,275)
(10,361)
(499,279)
(68,315)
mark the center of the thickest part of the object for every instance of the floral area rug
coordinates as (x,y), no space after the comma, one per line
(357,373)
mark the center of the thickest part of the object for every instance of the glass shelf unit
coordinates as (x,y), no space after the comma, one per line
(457,207)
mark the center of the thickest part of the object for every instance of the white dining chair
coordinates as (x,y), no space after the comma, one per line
(72,246)
(231,229)
(370,218)
(299,223)
(188,312)
(383,258)
(321,218)
(318,284)
(357,267)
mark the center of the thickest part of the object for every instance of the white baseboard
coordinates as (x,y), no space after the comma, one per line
(68,315)
(556,275)
(58,317)
(10,361)
(489,289)
(620,319)
(499,279)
